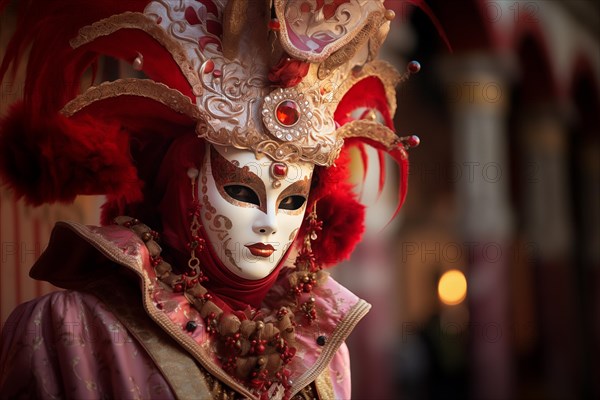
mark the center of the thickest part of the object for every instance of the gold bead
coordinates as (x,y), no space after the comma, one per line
(390,15)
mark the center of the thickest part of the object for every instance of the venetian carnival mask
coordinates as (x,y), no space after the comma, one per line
(253,208)
(290,83)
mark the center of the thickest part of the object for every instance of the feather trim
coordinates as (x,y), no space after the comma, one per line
(47,160)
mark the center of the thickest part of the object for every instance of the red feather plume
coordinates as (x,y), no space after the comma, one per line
(342,215)
(343,226)
(46,157)
(54,159)
(370,93)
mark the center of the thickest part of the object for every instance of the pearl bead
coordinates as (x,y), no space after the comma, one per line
(192,173)
(138,62)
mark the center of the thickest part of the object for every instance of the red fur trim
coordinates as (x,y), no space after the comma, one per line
(343,225)
(328,180)
(342,216)
(54,159)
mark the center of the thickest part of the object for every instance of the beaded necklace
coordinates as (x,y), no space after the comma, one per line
(252,348)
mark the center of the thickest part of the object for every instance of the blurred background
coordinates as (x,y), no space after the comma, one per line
(486,286)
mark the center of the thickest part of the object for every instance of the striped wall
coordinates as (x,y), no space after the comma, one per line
(24,234)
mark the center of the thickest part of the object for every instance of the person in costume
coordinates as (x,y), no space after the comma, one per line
(224,169)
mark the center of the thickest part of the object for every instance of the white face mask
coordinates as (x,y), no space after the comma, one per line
(251,209)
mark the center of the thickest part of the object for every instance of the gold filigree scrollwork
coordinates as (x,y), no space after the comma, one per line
(221,225)
(227,97)
(319,153)
(309,28)
(345,53)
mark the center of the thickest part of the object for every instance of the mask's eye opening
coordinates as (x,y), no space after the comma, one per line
(242,193)
(292,202)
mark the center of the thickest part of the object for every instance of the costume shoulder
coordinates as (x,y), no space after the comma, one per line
(321,357)
(78,254)
(69,345)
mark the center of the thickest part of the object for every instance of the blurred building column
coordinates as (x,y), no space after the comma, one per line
(548,224)
(478,93)
(545,181)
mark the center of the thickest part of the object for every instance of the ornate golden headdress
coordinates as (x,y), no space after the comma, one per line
(292,79)
(227,51)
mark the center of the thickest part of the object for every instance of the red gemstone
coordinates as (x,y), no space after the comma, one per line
(209,66)
(274,24)
(287,113)
(279,170)
(413,67)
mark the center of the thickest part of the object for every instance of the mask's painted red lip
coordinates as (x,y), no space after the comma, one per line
(260,249)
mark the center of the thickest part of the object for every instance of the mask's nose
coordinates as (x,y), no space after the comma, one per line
(266,223)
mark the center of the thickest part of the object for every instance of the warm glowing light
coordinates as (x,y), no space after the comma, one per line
(452,287)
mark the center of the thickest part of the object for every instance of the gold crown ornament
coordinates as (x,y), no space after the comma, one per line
(263,76)
(290,79)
